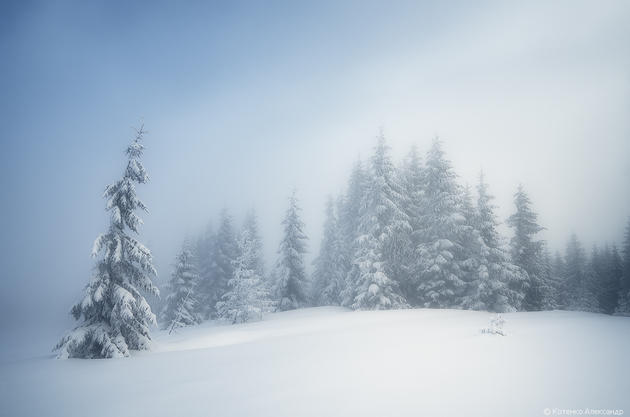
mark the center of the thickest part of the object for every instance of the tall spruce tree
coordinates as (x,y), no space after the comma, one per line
(329,272)
(247,296)
(559,285)
(181,305)
(553,281)
(290,275)
(349,214)
(616,270)
(526,251)
(412,183)
(608,271)
(205,259)
(381,222)
(115,315)
(495,283)
(579,283)
(440,251)
(250,226)
(225,253)
(474,261)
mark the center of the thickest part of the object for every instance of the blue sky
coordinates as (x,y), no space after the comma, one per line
(245,100)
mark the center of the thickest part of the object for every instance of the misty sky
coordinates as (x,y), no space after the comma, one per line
(245,100)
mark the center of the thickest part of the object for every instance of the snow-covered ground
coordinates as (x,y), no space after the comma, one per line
(332,362)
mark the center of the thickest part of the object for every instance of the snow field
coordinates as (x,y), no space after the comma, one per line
(333,362)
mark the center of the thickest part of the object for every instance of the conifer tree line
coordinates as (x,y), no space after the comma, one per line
(226,278)
(401,235)
(406,235)
(412,236)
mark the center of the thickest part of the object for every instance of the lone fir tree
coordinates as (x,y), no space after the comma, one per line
(115,317)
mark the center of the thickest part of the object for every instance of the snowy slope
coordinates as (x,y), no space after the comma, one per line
(332,362)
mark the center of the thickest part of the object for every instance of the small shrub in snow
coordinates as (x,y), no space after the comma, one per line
(496,326)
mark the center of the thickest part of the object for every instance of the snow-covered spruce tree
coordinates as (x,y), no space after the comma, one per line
(558,281)
(181,305)
(493,282)
(505,279)
(115,316)
(351,208)
(247,297)
(205,259)
(486,219)
(250,226)
(607,268)
(440,251)
(397,246)
(225,251)
(477,286)
(328,275)
(526,251)
(579,285)
(291,282)
(349,214)
(614,281)
(554,280)
(380,223)
(623,306)
(412,182)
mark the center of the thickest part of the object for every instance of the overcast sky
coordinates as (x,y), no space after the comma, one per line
(245,100)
